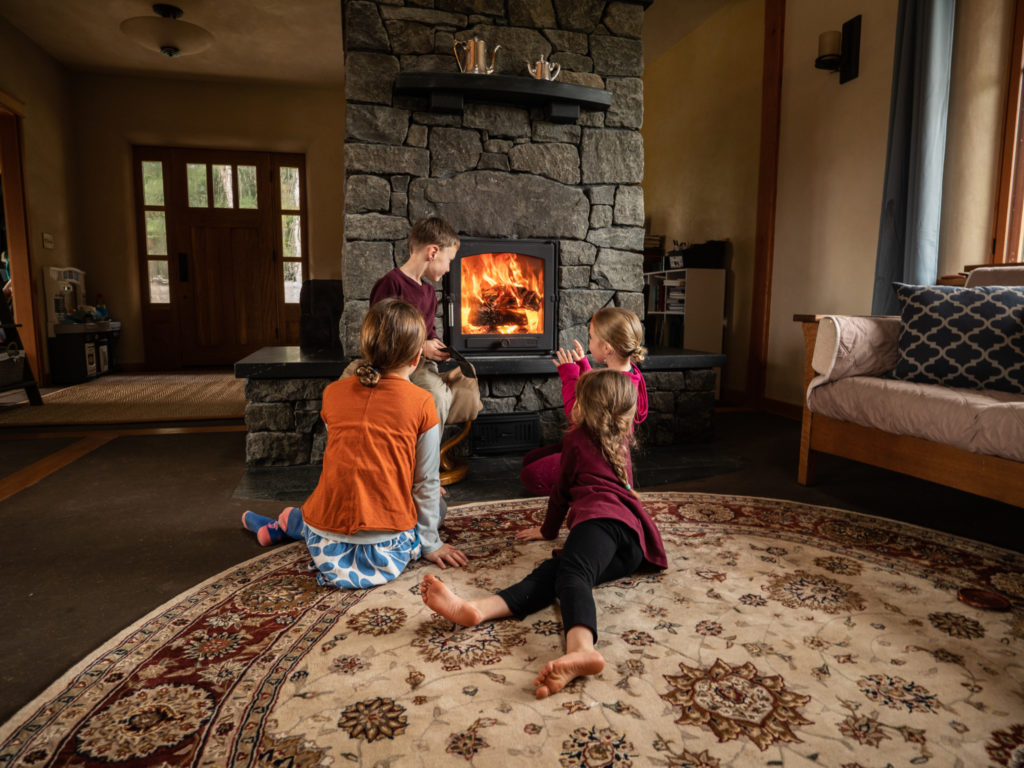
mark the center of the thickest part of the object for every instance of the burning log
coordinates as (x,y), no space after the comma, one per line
(491,317)
(511,296)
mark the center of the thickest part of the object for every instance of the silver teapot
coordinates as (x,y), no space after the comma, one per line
(544,69)
(476,56)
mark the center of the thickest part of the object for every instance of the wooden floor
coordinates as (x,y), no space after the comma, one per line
(86,442)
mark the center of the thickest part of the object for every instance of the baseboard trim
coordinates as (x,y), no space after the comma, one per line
(779,408)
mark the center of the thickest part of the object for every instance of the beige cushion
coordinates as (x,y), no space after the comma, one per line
(979,420)
(1007,275)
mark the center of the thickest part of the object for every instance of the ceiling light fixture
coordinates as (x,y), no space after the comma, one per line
(165,33)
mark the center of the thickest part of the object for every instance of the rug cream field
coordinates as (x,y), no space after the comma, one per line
(781,634)
(135,398)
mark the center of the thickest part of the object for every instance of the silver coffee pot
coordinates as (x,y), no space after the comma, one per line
(476,56)
(544,69)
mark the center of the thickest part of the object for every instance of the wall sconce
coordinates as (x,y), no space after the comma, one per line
(840,51)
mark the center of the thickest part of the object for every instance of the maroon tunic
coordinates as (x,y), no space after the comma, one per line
(587,488)
(398,285)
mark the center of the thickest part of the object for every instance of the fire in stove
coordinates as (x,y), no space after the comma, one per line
(501,296)
(502,293)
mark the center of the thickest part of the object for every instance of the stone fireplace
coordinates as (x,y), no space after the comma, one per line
(504,158)
(497,170)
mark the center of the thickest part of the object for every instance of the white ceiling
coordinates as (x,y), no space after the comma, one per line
(296,41)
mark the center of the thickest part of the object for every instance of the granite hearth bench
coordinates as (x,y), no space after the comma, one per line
(283,387)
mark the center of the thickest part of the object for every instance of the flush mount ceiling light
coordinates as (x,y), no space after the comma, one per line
(165,33)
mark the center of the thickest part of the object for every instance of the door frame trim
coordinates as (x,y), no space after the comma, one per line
(18,250)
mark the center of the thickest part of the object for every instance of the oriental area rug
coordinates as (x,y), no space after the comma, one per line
(781,634)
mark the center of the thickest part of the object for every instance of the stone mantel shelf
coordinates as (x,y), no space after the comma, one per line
(290,362)
(447,92)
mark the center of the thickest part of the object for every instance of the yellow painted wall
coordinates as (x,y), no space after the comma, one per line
(31,76)
(112,113)
(831,168)
(702,127)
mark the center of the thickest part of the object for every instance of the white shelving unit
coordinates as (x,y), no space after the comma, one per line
(685,308)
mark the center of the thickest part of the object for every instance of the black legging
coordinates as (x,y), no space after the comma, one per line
(595,551)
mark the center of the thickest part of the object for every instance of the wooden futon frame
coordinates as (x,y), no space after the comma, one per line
(984,475)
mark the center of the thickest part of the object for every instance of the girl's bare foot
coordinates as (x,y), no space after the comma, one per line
(440,599)
(559,673)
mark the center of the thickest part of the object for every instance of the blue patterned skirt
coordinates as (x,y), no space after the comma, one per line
(358,566)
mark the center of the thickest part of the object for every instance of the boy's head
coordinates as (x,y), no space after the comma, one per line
(433,241)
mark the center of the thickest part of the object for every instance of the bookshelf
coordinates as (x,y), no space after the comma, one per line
(685,309)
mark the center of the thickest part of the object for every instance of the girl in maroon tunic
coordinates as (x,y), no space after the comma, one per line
(611,535)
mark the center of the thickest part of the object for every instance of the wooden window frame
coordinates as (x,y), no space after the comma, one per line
(1009,212)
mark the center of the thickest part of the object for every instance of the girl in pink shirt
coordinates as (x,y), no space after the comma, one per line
(616,340)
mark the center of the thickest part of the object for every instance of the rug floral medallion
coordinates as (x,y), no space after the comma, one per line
(781,635)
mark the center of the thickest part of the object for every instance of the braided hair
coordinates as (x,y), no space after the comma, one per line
(622,330)
(392,336)
(605,404)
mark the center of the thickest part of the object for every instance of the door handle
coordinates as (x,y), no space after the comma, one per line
(183,267)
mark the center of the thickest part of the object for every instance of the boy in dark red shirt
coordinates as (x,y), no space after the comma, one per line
(432,246)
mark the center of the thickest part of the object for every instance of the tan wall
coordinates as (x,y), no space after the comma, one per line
(37,81)
(831,167)
(113,113)
(977,100)
(701,134)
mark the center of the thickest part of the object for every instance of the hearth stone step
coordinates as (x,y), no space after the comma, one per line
(284,386)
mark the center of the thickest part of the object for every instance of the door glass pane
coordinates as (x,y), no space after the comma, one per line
(159,285)
(156,234)
(196,173)
(291,236)
(292,281)
(247,186)
(223,189)
(152,182)
(290,189)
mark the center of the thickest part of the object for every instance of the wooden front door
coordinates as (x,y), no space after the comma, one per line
(227,273)
(217,264)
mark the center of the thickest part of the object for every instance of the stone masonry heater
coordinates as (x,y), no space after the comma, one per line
(502,157)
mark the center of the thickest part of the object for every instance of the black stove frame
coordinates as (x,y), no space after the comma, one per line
(526,344)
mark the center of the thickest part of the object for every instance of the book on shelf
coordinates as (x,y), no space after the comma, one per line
(674,282)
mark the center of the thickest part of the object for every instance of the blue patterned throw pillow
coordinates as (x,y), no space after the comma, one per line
(971,338)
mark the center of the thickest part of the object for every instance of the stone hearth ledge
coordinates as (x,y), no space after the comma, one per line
(290,362)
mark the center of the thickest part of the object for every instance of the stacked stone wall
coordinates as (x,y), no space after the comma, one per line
(493,170)
(496,170)
(284,426)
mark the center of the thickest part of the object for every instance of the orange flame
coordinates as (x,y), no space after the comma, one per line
(502,293)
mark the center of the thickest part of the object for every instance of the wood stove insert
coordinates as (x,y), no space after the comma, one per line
(501,297)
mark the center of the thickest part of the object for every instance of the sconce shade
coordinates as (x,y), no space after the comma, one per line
(840,51)
(829,49)
(166,34)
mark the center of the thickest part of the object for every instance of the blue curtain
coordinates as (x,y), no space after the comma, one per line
(908,236)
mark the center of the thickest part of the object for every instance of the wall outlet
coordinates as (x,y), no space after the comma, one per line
(47,240)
